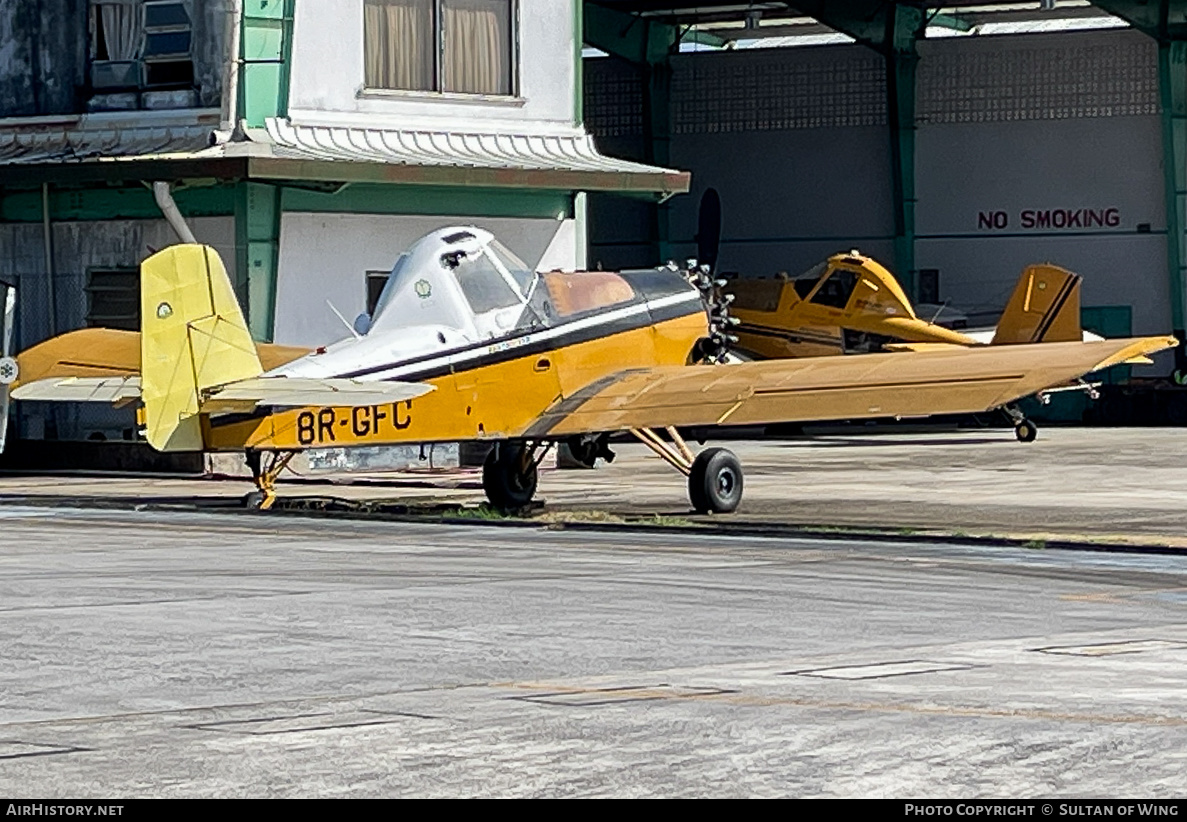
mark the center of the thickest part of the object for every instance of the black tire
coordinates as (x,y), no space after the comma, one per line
(254,500)
(509,483)
(1026,431)
(715,483)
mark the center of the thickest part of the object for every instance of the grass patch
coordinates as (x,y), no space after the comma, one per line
(667,522)
(561,517)
(1036,544)
(481,512)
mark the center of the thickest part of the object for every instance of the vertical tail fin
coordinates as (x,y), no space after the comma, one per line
(1045,307)
(193,337)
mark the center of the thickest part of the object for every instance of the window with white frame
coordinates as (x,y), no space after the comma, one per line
(141,44)
(455,46)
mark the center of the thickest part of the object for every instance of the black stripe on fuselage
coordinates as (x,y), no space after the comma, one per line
(650,316)
(787,336)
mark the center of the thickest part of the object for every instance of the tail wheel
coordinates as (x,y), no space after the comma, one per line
(1026,431)
(715,481)
(509,476)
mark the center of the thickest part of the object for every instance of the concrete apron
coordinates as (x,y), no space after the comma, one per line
(1081,485)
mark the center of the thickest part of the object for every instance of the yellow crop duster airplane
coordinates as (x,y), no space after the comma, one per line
(468,343)
(851,304)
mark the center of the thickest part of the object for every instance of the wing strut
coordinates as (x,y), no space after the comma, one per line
(677,454)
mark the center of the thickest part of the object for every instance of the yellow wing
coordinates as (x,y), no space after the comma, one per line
(943,380)
(115,390)
(295,392)
(242,396)
(108,352)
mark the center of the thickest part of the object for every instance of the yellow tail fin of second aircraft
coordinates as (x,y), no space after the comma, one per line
(1045,307)
(193,337)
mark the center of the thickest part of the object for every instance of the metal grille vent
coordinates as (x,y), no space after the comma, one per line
(1113,75)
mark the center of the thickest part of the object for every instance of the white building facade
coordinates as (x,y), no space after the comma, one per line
(310,142)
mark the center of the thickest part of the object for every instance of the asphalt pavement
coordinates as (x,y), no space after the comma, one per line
(186,653)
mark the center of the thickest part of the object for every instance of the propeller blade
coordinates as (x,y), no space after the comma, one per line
(9,294)
(8,366)
(709,228)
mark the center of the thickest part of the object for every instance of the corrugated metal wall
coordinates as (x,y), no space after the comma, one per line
(79,247)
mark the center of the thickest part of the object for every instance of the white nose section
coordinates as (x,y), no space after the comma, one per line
(8,371)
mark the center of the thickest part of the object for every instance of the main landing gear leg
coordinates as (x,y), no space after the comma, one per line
(265,477)
(714,475)
(1024,429)
(511,473)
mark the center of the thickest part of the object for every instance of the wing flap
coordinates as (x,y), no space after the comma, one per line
(294,392)
(907,384)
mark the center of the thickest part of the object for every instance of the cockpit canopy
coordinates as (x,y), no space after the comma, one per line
(462,278)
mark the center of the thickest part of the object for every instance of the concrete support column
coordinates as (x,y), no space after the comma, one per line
(902,60)
(648,46)
(1166,22)
(657,135)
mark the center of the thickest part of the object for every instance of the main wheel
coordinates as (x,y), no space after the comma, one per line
(1026,431)
(509,476)
(715,483)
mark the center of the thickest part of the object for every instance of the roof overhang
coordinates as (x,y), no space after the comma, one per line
(564,161)
(660,183)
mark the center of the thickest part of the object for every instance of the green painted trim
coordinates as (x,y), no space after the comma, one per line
(638,40)
(869,22)
(1172,80)
(369,198)
(133,202)
(257,252)
(266,44)
(1164,20)
(703,38)
(955,22)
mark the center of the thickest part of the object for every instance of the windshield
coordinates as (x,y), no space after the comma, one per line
(483,284)
(805,282)
(837,289)
(520,272)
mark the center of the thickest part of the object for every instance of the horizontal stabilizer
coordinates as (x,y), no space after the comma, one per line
(294,392)
(80,389)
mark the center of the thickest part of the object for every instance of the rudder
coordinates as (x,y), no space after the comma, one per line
(1045,307)
(193,337)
